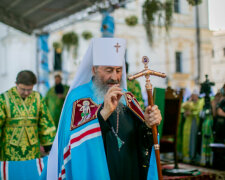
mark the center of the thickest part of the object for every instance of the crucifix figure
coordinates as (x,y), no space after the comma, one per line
(117,46)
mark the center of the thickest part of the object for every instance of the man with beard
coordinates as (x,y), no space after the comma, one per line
(55,98)
(103,133)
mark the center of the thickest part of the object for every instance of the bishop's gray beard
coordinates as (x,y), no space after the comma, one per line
(100,89)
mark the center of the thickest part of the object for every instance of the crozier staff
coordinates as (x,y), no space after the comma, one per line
(147,72)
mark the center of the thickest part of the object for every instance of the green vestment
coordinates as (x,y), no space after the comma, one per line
(190,128)
(135,88)
(24,126)
(55,104)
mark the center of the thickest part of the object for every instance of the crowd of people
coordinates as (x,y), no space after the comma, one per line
(102,130)
(201,127)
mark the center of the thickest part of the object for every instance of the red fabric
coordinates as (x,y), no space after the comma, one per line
(203,176)
(78,108)
(91,131)
(133,104)
(66,154)
(4,170)
(39,163)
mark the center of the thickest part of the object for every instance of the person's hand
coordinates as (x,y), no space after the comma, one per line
(42,151)
(152,116)
(111,101)
(187,113)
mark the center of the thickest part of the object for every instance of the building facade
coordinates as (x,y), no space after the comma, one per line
(17,52)
(175,54)
(218,59)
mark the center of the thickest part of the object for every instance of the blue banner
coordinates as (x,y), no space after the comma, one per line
(43,79)
(107,27)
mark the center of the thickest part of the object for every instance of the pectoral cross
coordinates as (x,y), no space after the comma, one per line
(117,46)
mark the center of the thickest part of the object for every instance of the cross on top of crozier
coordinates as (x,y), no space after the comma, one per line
(145,61)
(117,46)
(146,72)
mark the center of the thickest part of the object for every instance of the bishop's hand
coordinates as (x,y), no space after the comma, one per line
(111,101)
(152,116)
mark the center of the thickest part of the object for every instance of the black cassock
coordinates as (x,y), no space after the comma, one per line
(131,161)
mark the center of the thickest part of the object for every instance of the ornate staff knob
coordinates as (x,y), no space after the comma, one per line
(145,61)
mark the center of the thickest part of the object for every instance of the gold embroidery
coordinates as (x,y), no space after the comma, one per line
(23,130)
(17,107)
(76,104)
(7,105)
(129,99)
(48,130)
(16,136)
(38,104)
(33,139)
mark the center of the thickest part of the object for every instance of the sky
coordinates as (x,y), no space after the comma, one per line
(216,14)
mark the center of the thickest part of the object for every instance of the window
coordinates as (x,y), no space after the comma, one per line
(58,61)
(177,6)
(179,62)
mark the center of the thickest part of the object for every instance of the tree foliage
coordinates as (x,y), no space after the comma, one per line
(194,2)
(87,35)
(70,39)
(131,20)
(161,12)
(156,10)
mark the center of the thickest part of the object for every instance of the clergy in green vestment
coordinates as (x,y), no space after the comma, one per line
(25,122)
(192,109)
(55,98)
(135,88)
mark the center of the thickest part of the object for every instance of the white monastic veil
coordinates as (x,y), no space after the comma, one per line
(83,76)
(84,73)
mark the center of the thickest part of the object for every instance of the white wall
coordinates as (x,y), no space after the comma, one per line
(218,61)
(17,52)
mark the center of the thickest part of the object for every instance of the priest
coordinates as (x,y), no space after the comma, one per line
(25,122)
(103,133)
(55,98)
